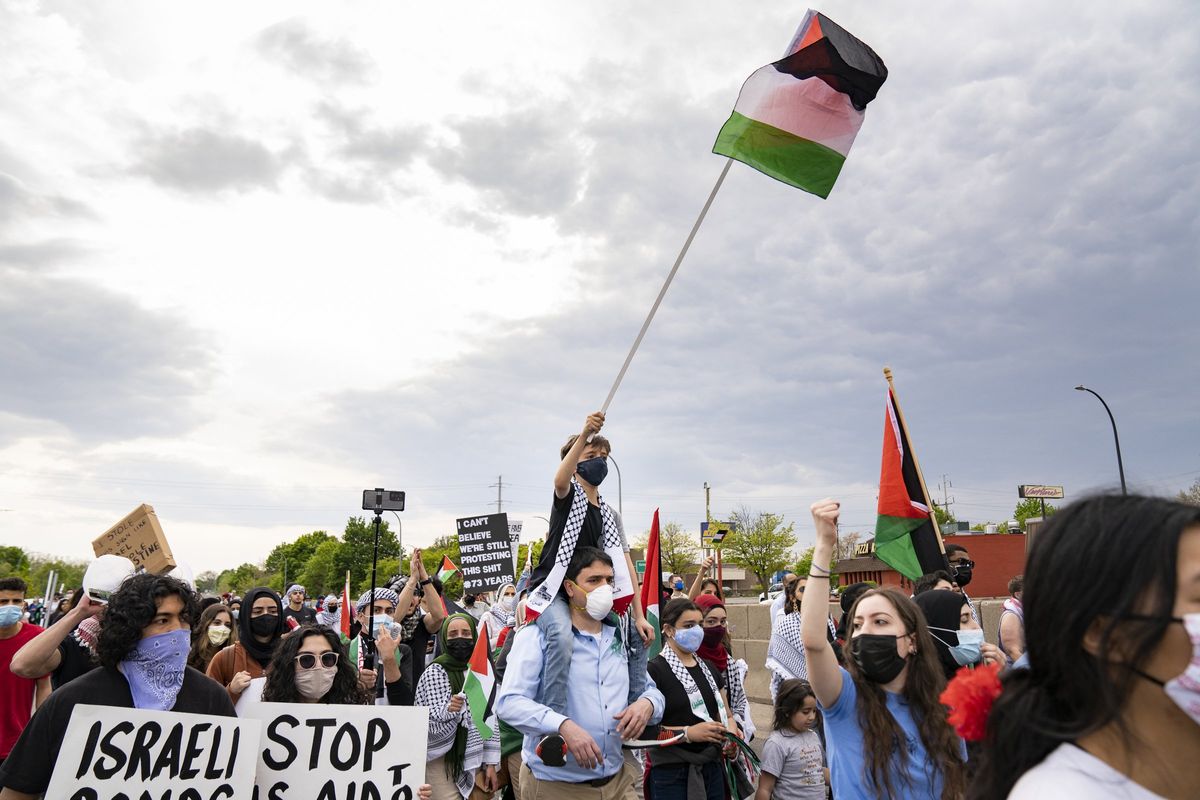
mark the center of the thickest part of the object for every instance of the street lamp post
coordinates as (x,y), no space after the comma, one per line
(1116,439)
(620,507)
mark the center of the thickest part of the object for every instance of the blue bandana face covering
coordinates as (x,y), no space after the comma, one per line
(155,667)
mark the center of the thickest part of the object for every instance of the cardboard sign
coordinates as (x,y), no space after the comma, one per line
(139,538)
(485,552)
(111,753)
(320,752)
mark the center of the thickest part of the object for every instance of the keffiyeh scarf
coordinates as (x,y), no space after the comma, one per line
(86,634)
(695,698)
(540,600)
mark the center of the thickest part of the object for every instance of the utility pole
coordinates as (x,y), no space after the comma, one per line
(946,486)
(707,513)
(499,487)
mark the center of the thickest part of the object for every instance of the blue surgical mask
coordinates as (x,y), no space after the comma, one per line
(10,615)
(969,649)
(593,470)
(679,585)
(384,621)
(689,639)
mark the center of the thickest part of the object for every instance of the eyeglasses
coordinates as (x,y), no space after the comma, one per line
(966,563)
(309,660)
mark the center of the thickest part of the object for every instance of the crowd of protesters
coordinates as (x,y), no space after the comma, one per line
(1095,678)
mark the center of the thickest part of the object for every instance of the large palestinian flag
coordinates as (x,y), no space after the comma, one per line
(906,536)
(796,119)
(652,588)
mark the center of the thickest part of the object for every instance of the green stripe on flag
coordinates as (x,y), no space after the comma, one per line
(893,544)
(796,161)
(656,645)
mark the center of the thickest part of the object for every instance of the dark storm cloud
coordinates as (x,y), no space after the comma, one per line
(297,47)
(96,363)
(204,161)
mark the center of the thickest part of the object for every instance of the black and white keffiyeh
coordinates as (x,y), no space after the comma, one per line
(622,583)
(695,698)
(433,692)
(785,652)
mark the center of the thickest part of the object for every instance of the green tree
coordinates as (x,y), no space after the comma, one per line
(1191,496)
(678,549)
(207,581)
(1031,507)
(761,544)
(288,559)
(942,515)
(13,562)
(446,545)
(69,571)
(358,543)
(241,578)
(320,573)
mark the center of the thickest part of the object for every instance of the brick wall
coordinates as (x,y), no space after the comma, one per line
(997,556)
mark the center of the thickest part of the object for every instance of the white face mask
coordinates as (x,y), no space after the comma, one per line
(1185,689)
(218,634)
(507,603)
(599,600)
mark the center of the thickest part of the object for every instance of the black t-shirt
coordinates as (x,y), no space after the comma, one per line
(419,643)
(677,712)
(592,535)
(29,767)
(305,616)
(74,660)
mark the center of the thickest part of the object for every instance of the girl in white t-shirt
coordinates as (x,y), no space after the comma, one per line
(793,761)
(1110,704)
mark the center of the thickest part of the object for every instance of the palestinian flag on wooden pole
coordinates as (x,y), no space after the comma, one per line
(447,569)
(795,119)
(652,588)
(906,532)
(480,683)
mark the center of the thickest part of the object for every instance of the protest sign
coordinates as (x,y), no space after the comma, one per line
(320,752)
(111,753)
(514,536)
(139,538)
(484,552)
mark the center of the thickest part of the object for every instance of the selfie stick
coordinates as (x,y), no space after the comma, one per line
(663,291)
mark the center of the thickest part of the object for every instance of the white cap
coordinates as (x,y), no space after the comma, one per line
(105,575)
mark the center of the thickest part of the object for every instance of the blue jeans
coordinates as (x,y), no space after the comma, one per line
(555,623)
(670,781)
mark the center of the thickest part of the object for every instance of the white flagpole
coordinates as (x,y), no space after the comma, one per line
(662,292)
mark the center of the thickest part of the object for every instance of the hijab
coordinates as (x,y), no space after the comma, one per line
(257,650)
(715,653)
(504,616)
(943,609)
(456,671)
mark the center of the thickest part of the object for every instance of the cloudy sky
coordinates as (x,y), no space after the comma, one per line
(257,257)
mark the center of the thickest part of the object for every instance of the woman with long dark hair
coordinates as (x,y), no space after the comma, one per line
(887,694)
(311,666)
(694,705)
(215,630)
(260,628)
(1110,706)
(460,760)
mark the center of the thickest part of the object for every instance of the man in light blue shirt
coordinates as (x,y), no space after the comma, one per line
(598,717)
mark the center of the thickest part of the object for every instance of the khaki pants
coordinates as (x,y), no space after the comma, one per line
(446,789)
(512,772)
(619,788)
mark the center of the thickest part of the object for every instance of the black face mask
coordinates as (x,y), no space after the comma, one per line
(460,649)
(962,576)
(594,470)
(265,625)
(876,656)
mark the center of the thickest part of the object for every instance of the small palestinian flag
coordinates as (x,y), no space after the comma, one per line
(906,536)
(447,569)
(346,613)
(796,119)
(480,683)
(651,588)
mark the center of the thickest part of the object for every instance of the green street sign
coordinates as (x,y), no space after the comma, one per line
(640,566)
